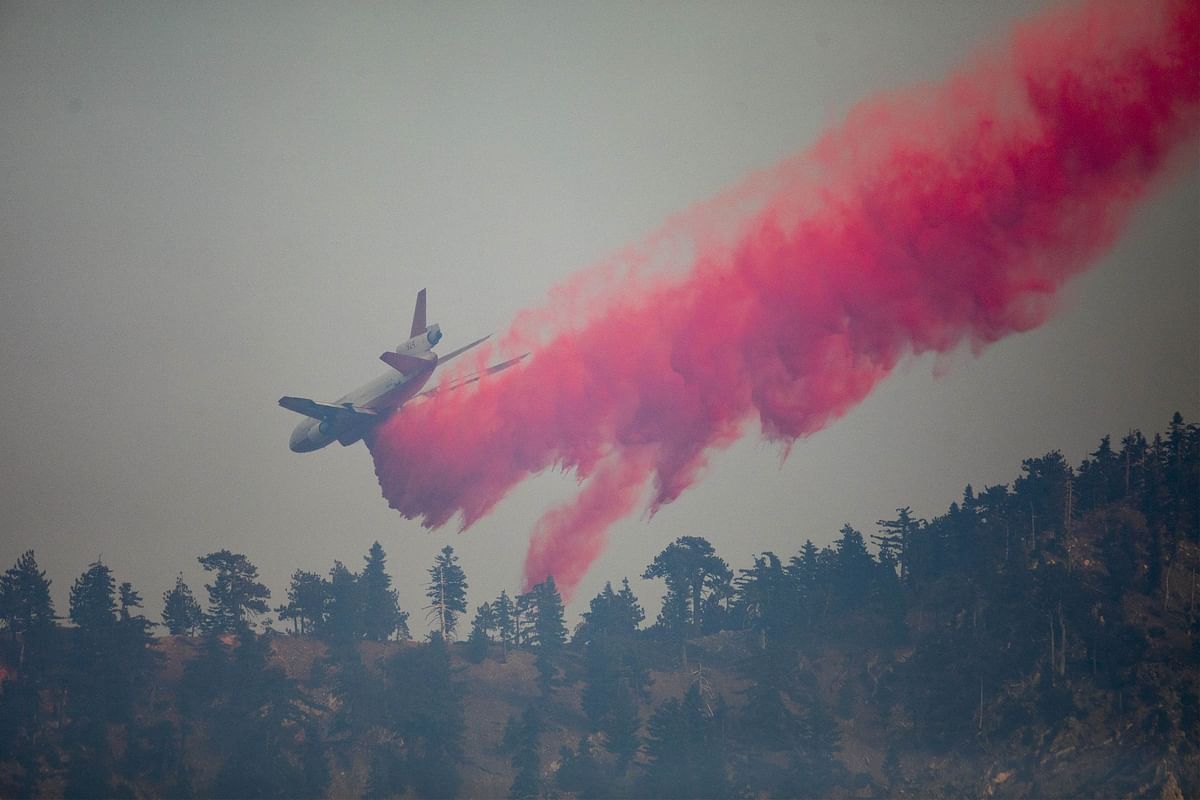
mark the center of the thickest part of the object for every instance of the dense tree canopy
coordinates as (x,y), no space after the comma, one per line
(1053,615)
(693,572)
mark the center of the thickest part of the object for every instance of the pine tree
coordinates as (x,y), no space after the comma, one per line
(765,595)
(549,632)
(597,620)
(27,611)
(93,600)
(853,568)
(424,709)
(685,751)
(629,612)
(135,658)
(675,620)
(689,565)
(612,661)
(506,623)
(235,595)
(447,592)
(257,723)
(110,664)
(816,768)
(612,614)
(521,741)
(382,616)
(1042,492)
(805,572)
(895,537)
(769,720)
(620,726)
(181,613)
(345,620)
(358,691)
(581,774)
(129,599)
(308,599)
(26,607)
(523,618)
(481,633)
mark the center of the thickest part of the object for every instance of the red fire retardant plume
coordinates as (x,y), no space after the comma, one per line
(932,217)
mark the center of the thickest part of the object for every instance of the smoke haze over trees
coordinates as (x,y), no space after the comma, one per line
(1037,638)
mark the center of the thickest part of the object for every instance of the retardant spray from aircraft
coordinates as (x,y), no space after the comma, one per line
(931,217)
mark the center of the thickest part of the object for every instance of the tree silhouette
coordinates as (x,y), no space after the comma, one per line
(613,668)
(93,600)
(235,595)
(447,592)
(25,604)
(181,613)
(612,614)
(766,598)
(253,718)
(345,609)
(688,565)
(685,751)
(549,631)
(382,616)
(521,737)
(582,774)
(506,623)
(1025,614)
(424,710)
(481,632)
(853,569)
(308,598)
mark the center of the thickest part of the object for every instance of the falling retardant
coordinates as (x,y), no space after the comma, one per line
(932,217)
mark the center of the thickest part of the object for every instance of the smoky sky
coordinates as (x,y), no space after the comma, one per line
(204,207)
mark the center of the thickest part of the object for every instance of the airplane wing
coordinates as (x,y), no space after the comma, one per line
(325,411)
(467,379)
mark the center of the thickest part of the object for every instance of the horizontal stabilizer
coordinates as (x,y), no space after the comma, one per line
(404,363)
(464,348)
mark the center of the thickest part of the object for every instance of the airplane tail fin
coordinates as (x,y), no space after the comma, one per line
(418,323)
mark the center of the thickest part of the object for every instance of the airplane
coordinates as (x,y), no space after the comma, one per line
(352,416)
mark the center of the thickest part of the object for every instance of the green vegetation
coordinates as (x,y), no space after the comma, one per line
(1035,640)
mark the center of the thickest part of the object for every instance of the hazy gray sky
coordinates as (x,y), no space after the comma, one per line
(204,206)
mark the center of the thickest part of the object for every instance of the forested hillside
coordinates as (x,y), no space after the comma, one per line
(1039,638)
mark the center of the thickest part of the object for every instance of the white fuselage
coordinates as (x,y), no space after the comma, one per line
(381,397)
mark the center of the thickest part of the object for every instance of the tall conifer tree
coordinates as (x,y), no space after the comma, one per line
(181,613)
(447,592)
(235,595)
(382,616)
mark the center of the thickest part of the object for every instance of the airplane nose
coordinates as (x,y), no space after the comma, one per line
(300,443)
